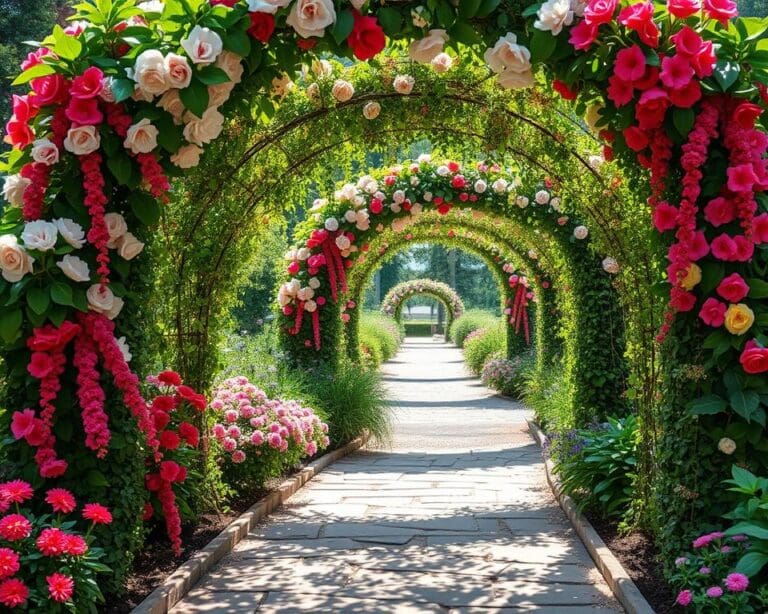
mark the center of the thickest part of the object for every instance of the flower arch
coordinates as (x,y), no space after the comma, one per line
(129,93)
(393,302)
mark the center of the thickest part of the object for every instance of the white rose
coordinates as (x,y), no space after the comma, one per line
(424,158)
(202,45)
(578,6)
(403,84)
(314,283)
(596,162)
(542,197)
(282,85)
(13,189)
(318,204)
(347,192)
(116,227)
(322,68)
(40,235)
(124,349)
(305,294)
(480,186)
(507,55)
(350,216)
(580,232)
(232,64)
(71,232)
(512,80)
(266,6)
(442,62)
(150,74)
(417,209)
(15,262)
(555,203)
(500,186)
(726,445)
(117,307)
(141,137)
(219,94)
(303,253)
(45,152)
(443,170)
(310,306)
(82,140)
(311,17)
(427,196)
(553,15)
(427,48)
(100,298)
(399,197)
(610,265)
(293,286)
(395,208)
(331,224)
(522,201)
(128,246)
(342,90)
(415,181)
(171,103)
(178,70)
(371,110)
(188,156)
(74,268)
(202,130)
(358,201)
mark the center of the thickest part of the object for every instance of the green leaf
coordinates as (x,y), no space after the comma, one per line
(120,166)
(542,45)
(751,563)
(66,47)
(531,10)
(726,74)
(757,288)
(748,528)
(744,403)
(464,33)
(391,20)
(145,207)
(343,26)
(40,70)
(707,405)
(195,97)
(122,89)
(744,478)
(712,273)
(38,300)
(683,120)
(468,8)
(212,75)
(238,42)
(96,478)
(10,325)
(61,293)
(487,7)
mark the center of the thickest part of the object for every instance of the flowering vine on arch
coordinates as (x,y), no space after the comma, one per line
(393,302)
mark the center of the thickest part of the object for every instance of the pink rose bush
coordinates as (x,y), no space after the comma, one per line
(45,564)
(505,375)
(261,437)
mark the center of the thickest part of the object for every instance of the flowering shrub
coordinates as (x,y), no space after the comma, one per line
(706,579)
(506,375)
(482,343)
(45,564)
(261,437)
(173,411)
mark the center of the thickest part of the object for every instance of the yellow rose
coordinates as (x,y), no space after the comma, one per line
(692,277)
(738,319)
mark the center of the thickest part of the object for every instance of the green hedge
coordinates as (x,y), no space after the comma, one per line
(490,342)
(473,319)
(419,329)
(379,338)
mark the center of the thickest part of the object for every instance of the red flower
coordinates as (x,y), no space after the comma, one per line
(746,114)
(87,85)
(651,108)
(650,79)
(721,10)
(76,545)
(566,91)
(53,468)
(733,288)
(454,167)
(687,96)
(48,337)
(9,563)
(676,72)
(713,312)
(376,206)
(13,593)
(16,491)
(61,500)
(169,378)
(367,38)
(683,8)
(262,26)
(97,513)
(754,358)
(169,471)
(18,133)
(636,139)
(741,178)
(724,248)
(40,365)
(149,511)
(683,301)
(60,587)
(665,217)
(630,64)
(23,111)
(189,433)
(698,246)
(719,211)
(153,482)
(599,12)
(458,182)
(760,228)
(186,393)
(639,17)
(444,208)
(49,90)
(22,423)
(84,111)
(164,403)
(161,420)
(582,36)
(52,542)
(306,43)
(169,440)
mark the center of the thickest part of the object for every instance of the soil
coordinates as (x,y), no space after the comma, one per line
(640,557)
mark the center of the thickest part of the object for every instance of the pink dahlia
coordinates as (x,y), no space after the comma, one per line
(52,542)
(16,491)
(61,500)
(736,582)
(9,563)
(97,513)
(60,587)
(13,593)
(14,527)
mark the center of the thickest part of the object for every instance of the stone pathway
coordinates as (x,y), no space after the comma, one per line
(455,517)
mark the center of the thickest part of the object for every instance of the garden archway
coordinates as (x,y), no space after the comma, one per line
(393,303)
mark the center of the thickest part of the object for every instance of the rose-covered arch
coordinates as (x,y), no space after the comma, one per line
(393,303)
(129,93)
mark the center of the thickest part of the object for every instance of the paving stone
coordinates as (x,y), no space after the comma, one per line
(226,602)
(287,603)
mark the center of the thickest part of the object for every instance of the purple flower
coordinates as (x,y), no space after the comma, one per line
(705,571)
(736,582)
(738,538)
(714,592)
(725,549)
(684,598)
(681,560)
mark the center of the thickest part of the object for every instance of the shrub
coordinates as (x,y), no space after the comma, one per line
(597,465)
(472,319)
(379,338)
(418,329)
(480,344)
(507,376)
(260,437)
(548,393)
(751,516)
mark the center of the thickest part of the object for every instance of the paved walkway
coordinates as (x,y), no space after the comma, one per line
(455,517)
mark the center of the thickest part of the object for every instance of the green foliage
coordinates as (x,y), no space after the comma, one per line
(548,392)
(483,342)
(750,518)
(380,338)
(470,321)
(419,329)
(597,466)
(508,376)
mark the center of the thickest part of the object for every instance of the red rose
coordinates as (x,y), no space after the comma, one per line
(639,17)
(636,139)
(619,91)
(698,247)
(562,88)
(713,312)
(169,378)
(18,133)
(683,301)
(599,12)
(458,182)
(721,10)
(87,85)
(152,482)
(161,420)
(189,433)
(40,365)
(733,288)
(608,153)
(687,96)
(582,36)
(376,206)
(367,38)
(719,211)
(746,114)
(724,248)
(651,108)
(49,90)
(683,8)
(454,167)
(186,393)
(744,248)
(444,208)
(48,337)
(754,359)
(262,26)
(704,62)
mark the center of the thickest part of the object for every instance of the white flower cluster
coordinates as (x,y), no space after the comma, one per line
(511,62)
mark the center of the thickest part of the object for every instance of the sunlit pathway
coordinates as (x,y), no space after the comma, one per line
(456,517)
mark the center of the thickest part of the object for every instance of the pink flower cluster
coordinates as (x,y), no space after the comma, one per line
(251,423)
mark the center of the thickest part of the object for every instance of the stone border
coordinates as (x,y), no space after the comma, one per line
(615,575)
(179,583)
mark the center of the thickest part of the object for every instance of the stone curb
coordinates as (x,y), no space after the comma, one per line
(615,575)
(178,584)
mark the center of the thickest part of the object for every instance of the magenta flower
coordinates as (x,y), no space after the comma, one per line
(714,592)
(736,582)
(684,598)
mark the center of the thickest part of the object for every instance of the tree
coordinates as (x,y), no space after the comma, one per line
(753,8)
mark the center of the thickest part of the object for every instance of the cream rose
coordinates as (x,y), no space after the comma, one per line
(311,17)
(322,68)
(512,80)
(141,137)
(610,265)
(506,55)
(726,445)
(202,130)
(231,64)
(266,6)
(116,227)
(202,45)
(13,189)
(74,268)
(580,232)
(371,110)
(150,73)
(219,94)
(188,156)
(82,140)
(553,15)
(40,235)
(128,246)
(178,70)
(282,85)
(342,90)
(100,298)
(15,262)
(426,49)
(117,307)
(170,102)
(45,152)
(71,232)
(442,62)
(403,84)
(313,92)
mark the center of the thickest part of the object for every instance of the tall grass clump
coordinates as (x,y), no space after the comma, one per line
(548,393)
(481,344)
(471,320)
(379,337)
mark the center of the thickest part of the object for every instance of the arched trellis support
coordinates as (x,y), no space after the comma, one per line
(399,295)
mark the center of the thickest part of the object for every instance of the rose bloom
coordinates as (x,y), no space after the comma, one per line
(178,71)
(311,17)
(371,110)
(141,137)
(691,278)
(202,45)
(342,90)
(403,84)
(507,56)
(738,319)
(13,189)
(15,262)
(754,358)
(188,156)
(150,73)
(82,140)
(74,268)
(428,48)
(553,15)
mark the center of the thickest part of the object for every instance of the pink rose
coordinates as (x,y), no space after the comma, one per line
(721,10)
(87,85)
(598,12)
(760,228)
(683,8)
(724,248)
(582,35)
(639,17)
(741,178)
(676,72)
(84,111)
(49,90)
(698,247)
(719,211)
(733,288)
(40,365)
(637,140)
(713,312)
(651,108)
(754,358)
(630,64)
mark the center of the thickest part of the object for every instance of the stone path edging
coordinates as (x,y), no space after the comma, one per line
(175,586)
(615,575)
